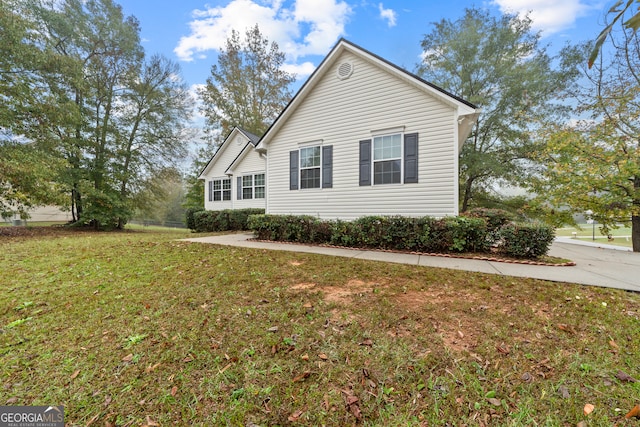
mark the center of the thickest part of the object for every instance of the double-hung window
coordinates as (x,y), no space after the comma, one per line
(389,159)
(251,187)
(258,186)
(311,167)
(220,189)
(247,187)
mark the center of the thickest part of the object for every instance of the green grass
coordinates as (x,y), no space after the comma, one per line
(585,232)
(126,328)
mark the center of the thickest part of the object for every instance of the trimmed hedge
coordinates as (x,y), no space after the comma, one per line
(225,220)
(426,234)
(525,240)
(190,217)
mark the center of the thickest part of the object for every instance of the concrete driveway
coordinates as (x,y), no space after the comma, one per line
(595,265)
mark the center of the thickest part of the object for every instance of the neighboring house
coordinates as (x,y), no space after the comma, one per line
(235,175)
(362,137)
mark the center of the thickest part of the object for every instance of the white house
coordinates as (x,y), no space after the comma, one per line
(235,175)
(361,137)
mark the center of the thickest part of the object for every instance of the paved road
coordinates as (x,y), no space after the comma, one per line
(595,265)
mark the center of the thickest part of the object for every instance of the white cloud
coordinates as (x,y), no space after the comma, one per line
(300,70)
(388,14)
(306,27)
(550,16)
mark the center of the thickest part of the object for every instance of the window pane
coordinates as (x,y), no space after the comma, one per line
(387,172)
(309,157)
(226,195)
(387,147)
(216,184)
(226,185)
(247,181)
(247,193)
(259,179)
(216,195)
(259,193)
(310,178)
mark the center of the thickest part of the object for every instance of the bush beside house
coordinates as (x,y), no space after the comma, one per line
(200,220)
(473,233)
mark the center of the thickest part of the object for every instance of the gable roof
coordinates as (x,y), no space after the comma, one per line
(252,141)
(464,108)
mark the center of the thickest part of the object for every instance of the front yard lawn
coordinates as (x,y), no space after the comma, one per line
(136,328)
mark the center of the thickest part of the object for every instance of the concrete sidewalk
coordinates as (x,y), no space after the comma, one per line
(596,266)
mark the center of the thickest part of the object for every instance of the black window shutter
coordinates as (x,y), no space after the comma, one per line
(411,158)
(365,162)
(327,166)
(293,170)
(211,191)
(239,190)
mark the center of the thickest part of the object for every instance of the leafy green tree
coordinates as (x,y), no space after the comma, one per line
(111,116)
(152,116)
(498,64)
(248,87)
(595,164)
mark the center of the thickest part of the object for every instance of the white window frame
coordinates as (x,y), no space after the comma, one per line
(221,190)
(263,186)
(379,136)
(253,186)
(247,188)
(301,168)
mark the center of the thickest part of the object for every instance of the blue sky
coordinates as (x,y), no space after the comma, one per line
(191,31)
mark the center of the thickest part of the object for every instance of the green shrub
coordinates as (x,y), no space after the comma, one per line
(224,220)
(495,218)
(525,240)
(190,217)
(449,234)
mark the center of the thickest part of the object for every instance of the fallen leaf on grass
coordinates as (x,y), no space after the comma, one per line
(174,390)
(75,374)
(367,342)
(128,358)
(582,424)
(302,376)
(323,356)
(624,377)
(588,408)
(150,423)
(152,368)
(503,349)
(295,416)
(564,392)
(635,412)
(188,359)
(12,400)
(566,328)
(494,401)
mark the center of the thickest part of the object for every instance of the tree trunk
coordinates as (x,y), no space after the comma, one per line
(466,196)
(635,232)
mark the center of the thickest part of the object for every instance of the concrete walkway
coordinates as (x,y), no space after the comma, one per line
(595,265)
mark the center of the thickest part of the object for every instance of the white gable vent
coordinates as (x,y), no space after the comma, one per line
(345,70)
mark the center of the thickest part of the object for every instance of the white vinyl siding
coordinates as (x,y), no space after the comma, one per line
(344,112)
(247,162)
(253,165)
